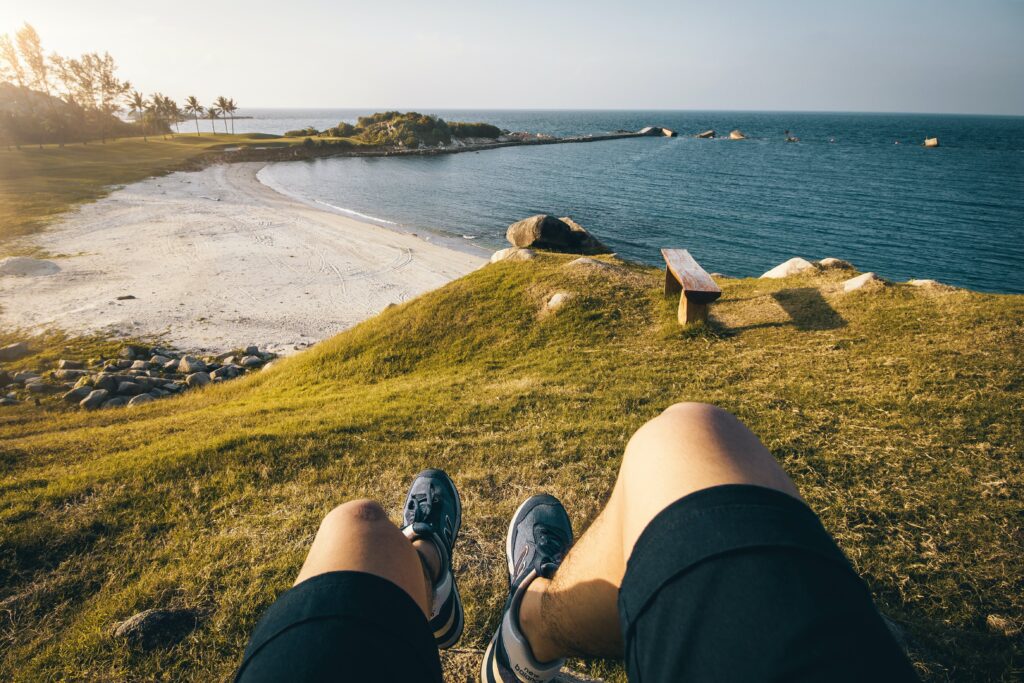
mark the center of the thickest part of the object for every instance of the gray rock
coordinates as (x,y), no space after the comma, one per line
(585,264)
(251,361)
(123,364)
(141,400)
(24,377)
(140,365)
(73,375)
(513,254)
(865,281)
(197,379)
(95,399)
(8,401)
(5,378)
(77,394)
(86,381)
(70,365)
(129,389)
(171,365)
(41,387)
(159,360)
(190,364)
(15,351)
(791,267)
(155,628)
(106,382)
(251,351)
(116,402)
(547,232)
(830,262)
(557,300)
(174,387)
(931,284)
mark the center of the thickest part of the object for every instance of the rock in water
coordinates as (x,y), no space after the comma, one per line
(861,282)
(157,627)
(708,134)
(931,142)
(737,135)
(95,399)
(15,351)
(790,267)
(547,232)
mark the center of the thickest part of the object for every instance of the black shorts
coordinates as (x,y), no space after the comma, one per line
(732,583)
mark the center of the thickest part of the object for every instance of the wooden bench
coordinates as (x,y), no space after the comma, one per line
(685,277)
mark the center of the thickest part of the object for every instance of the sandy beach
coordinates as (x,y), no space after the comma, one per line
(216,260)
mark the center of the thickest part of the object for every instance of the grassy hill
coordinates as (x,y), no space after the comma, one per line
(898,413)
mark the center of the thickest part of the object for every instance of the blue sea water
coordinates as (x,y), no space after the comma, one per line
(955,214)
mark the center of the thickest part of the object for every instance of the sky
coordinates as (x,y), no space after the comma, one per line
(939,56)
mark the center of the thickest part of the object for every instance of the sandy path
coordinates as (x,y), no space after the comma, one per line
(218,260)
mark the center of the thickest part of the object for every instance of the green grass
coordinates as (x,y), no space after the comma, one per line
(897,412)
(37,185)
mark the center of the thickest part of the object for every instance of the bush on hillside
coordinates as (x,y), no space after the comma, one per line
(462,129)
(342,130)
(303,132)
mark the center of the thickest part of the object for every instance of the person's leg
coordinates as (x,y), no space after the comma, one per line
(689,447)
(358,536)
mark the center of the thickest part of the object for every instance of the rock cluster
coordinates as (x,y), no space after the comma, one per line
(154,628)
(138,376)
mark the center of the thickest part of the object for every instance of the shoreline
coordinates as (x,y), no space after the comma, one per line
(216,259)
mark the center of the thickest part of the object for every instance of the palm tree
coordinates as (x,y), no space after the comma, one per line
(213,113)
(138,105)
(157,110)
(193,107)
(224,104)
(173,113)
(232,108)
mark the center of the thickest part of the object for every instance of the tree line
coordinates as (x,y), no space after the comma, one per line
(48,98)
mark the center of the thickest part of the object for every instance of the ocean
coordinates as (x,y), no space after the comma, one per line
(846,189)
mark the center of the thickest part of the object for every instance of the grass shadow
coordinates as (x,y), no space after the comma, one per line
(808,309)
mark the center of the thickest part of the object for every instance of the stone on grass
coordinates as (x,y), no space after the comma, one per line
(190,364)
(41,387)
(77,394)
(861,282)
(8,401)
(251,361)
(24,377)
(69,374)
(140,365)
(171,365)
(159,360)
(197,379)
(5,378)
(251,351)
(15,351)
(930,284)
(116,402)
(141,400)
(587,264)
(105,382)
(831,262)
(155,628)
(94,399)
(513,254)
(123,364)
(557,300)
(791,267)
(547,232)
(70,365)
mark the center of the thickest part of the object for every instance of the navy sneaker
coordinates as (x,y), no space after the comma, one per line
(433,512)
(539,537)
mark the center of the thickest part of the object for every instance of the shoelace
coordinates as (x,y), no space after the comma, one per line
(550,544)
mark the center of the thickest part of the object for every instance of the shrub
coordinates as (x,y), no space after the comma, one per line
(304,132)
(342,130)
(461,129)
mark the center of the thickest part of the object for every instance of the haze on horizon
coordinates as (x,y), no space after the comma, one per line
(937,56)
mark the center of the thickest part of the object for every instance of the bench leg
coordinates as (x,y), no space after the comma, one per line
(691,312)
(672,285)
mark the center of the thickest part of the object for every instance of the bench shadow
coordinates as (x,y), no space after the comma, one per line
(808,309)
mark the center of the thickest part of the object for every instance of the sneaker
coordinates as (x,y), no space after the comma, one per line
(433,512)
(539,537)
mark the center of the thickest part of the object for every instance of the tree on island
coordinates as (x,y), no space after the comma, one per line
(227,107)
(193,107)
(137,107)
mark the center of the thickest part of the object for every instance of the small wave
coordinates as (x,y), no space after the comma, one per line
(469,237)
(353,212)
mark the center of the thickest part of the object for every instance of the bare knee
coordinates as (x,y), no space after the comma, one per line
(354,514)
(692,413)
(669,435)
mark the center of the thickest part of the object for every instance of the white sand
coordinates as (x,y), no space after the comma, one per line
(218,260)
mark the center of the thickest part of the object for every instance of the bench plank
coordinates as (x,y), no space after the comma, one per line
(684,275)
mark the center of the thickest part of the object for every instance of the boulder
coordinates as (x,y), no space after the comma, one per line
(141,400)
(790,267)
(830,263)
(171,365)
(557,300)
(174,386)
(251,351)
(86,381)
(123,364)
(197,379)
(157,627)
(547,232)
(251,361)
(513,254)
(5,378)
(930,284)
(708,134)
(24,377)
(931,142)
(861,282)
(587,264)
(70,375)
(116,402)
(24,266)
(8,401)
(94,399)
(106,382)
(130,388)
(140,365)
(70,365)
(41,387)
(190,364)
(77,394)
(737,135)
(15,351)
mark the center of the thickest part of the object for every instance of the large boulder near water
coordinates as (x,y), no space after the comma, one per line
(554,234)
(865,281)
(790,267)
(513,254)
(157,627)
